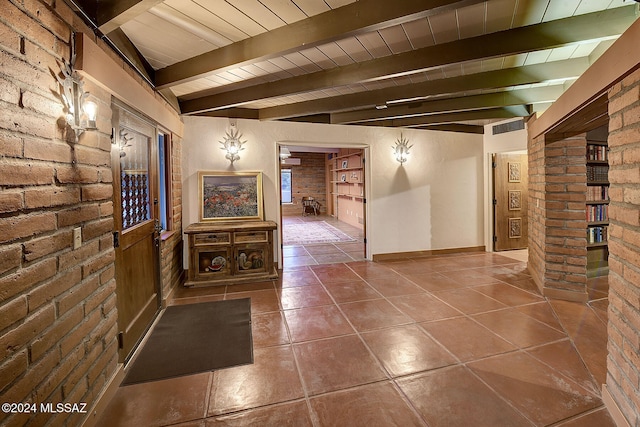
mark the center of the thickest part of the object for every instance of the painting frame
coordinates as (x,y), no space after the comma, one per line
(230,196)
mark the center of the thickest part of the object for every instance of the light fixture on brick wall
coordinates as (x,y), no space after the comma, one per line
(232,143)
(80,113)
(401,149)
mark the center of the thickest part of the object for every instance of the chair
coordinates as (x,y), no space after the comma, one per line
(310,205)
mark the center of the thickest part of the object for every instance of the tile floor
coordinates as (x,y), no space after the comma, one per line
(325,253)
(457,340)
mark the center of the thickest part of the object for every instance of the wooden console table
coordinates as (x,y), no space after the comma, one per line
(227,252)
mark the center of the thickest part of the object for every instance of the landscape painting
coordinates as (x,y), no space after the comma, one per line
(228,196)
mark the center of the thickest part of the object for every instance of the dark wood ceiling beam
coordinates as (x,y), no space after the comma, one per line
(508,77)
(448,118)
(352,19)
(121,42)
(461,103)
(455,127)
(234,113)
(546,35)
(112,14)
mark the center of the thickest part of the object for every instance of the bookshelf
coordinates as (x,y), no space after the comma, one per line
(597,207)
(347,186)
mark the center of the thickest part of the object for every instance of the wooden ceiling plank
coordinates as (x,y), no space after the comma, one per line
(489,79)
(356,18)
(509,42)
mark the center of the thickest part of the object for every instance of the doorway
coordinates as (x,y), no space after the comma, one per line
(316,233)
(510,196)
(134,160)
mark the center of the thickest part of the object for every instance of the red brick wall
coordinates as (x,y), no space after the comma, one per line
(557,207)
(623,378)
(566,254)
(307,179)
(537,210)
(57,305)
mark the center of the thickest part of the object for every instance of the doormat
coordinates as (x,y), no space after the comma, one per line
(195,338)
(313,232)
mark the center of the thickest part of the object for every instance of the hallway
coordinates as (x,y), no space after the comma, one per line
(455,340)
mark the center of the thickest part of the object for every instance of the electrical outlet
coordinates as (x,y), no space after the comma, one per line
(77,237)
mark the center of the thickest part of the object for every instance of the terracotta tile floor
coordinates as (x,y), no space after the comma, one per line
(458,340)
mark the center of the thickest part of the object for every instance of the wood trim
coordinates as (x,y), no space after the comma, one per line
(426,253)
(621,59)
(96,65)
(104,398)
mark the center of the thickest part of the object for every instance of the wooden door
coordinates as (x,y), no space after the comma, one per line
(133,159)
(510,179)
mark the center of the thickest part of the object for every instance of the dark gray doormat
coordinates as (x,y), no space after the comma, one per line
(195,338)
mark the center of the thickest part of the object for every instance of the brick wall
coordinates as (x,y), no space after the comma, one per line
(307,179)
(57,305)
(623,378)
(565,191)
(557,207)
(537,210)
(172,247)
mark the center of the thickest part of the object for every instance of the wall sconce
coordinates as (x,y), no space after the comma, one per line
(232,144)
(284,153)
(401,149)
(80,113)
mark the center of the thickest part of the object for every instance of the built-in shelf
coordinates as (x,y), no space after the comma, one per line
(347,186)
(596,208)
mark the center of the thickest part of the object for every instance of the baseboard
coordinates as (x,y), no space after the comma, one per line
(536,280)
(427,253)
(105,397)
(613,408)
(565,295)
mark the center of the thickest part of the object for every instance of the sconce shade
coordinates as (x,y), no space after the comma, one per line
(232,144)
(284,152)
(80,113)
(91,110)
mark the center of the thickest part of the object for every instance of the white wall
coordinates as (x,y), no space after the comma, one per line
(509,142)
(433,201)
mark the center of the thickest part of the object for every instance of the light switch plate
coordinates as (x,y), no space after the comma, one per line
(77,237)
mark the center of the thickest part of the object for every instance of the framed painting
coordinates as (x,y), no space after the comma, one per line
(226,196)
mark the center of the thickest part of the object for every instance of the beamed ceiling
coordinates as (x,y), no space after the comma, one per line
(437,64)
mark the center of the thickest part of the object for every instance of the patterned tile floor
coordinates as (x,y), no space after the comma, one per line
(457,340)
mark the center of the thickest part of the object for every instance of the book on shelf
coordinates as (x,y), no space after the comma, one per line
(597,173)
(597,213)
(597,153)
(598,193)
(597,234)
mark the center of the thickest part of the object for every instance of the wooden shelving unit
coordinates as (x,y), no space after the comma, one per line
(347,186)
(597,207)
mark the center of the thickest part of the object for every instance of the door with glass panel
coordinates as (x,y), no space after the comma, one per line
(134,164)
